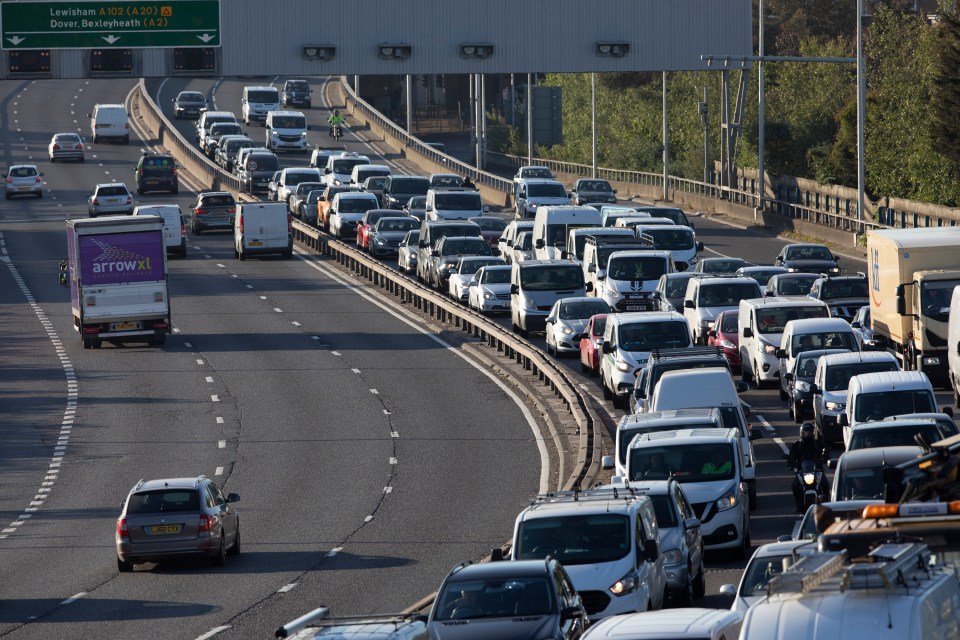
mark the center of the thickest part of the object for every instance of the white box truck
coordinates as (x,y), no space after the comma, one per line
(912,276)
(117,270)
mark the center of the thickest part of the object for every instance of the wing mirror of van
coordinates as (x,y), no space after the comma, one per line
(815,390)
(486,208)
(747,332)
(589,287)
(948,411)
(651,552)
(788,376)
(606,347)
(832,463)
(699,247)
(756,433)
(569,613)
(592,268)
(326,170)
(539,243)
(691,523)
(901,303)
(712,333)
(688,304)
(606,462)
(781,353)
(63,273)
(514,289)
(842,420)
(742,386)
(728,590)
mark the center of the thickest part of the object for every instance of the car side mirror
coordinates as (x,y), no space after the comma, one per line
(747,332)
(606,463)
(486,208)
(843,421)
(781,353)
(607,347)
(712,333)
(699,247)
(592,268)
(815,390)
(742,386)
(569,613)
(831,464)
(688,304)
(539,243)
(856,325)
(784,538)
(728,590)
(788,376)
(948,411)
(550,320)
(589,286)
(63,273)
(326,169)
(233,497)
(435,253)
(651,551)
(472,283)
(514,289)
(691,523)
(756,433)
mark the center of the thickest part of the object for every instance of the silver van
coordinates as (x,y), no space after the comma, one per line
(535,285)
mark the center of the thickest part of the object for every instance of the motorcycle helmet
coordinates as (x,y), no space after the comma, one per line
(336,112)
(806,430)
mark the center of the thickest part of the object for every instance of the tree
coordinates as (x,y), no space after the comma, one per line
(945,98)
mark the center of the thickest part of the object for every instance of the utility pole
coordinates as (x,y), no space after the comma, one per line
(666,143)
(409,104)
(593,102)
(861,111)
(704,109)
(529,118)
(761,111)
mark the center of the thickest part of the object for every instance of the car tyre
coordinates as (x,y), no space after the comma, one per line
(235,548)
(784,396)
(700,583)
(123,566)
(752,494)
(221,558)
(607,395)
(797,412)
(743,551)
(684,598)
(241,255)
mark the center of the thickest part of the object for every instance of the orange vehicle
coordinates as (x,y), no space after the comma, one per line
(323,204)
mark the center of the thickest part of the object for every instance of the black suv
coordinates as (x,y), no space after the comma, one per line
(156,172)
(398,189)
(807,258)
(189,104)
(843,294)
(535,598)
(296,93)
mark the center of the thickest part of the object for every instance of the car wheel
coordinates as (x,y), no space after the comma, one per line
(241,255)
(745,373)
(797,413)
(123,566)
(96,139)
(585,369)
(176,188)
(221,558)
(606,390)
(684,597)
(743,551)
(784,396)
(700,583)
(235,549)
(52,159)
(196,230)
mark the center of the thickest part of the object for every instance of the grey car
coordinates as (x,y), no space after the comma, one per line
(567,318)
(110,198)
(176,517)
(671,288)
(409,248)
(189,104)
(65,146)
(790,284)
(591,191)
(416,207)
(213,210)
(22,180)
(388,234)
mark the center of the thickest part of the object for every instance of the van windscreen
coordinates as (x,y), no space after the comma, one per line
(643,268)
(551,278)
(575,539)
(771,320)
(346,166)
(707,462)
(827,340)
(877,406)
(263,95)
(647,336)
(837,377)
(263,163)
(458,201)
(289,122)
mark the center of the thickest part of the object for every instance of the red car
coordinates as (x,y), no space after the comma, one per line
(368,222)
(725,335)
(590,344)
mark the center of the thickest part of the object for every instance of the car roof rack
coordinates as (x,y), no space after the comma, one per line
(689,352)
(320,617)
(625,493)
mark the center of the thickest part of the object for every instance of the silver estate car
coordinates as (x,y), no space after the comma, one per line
(177,517)
(110,198)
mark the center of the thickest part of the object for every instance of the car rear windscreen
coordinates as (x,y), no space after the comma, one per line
(164,501)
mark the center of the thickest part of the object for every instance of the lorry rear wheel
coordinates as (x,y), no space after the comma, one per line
(97,343)
(87,343)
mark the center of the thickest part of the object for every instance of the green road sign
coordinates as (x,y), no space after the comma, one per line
(110,24)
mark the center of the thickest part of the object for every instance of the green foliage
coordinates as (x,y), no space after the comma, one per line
(945,99)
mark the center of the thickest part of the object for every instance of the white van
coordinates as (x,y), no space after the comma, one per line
(813,333)
(577,239)
(953,345)
(509,235)
(893,594)
(552,224)
(761,322)
(631,278)
(602,539)
(830,383)
(707,296)
(340,167)
(286,131)
(454,204)
(875,396)
(535,285)
(707,462)
(174,227)
(257,102)
(628,340)
(363,171)
(709,388)
(691,623)
(680,241)
(597,251)
(262,228)
(109,122)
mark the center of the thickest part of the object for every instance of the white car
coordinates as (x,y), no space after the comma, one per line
(65,146)
(767,561)
(110,198)
(458,287)
(23,179)
(409,248)
(569,317)
(489,291)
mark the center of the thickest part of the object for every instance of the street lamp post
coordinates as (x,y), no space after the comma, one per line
(861,111)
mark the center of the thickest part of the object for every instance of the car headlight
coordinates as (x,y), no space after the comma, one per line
(624,366)
(380,242)
(303,134)
(611,198)
(726,344)
(489,296)
(532,206)
(705,324)
(727,502)
(566,330)
(835,270)
(809,478)
(673,556)
(273,133)
(768,348)
(834,406)
(627,584)
(529,303)
(803,387)
(612,291)
(792,269)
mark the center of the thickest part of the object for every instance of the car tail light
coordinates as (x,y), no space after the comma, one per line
(174,171)
(241,223)
(232,210)
(79,147)
(200,212)
(38,179)
(290,223)
(206,522)
(96,202)
(160,324)
(9,179)
(55,147)
(183,229)
(126,125)
(129,200)
(92,329)
(122,528)
(96,126)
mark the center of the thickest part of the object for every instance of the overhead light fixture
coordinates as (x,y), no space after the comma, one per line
(476,50)
(394,51)
(319,51)
(608,49)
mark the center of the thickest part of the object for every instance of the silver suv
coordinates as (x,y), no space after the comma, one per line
(176,517)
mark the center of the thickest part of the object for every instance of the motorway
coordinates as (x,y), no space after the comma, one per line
(370,457)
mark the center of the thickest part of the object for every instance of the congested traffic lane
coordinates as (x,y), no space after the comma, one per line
(352,472)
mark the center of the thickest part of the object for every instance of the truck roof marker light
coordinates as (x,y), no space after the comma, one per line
(880,511)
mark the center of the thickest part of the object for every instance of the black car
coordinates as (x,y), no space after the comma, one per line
(518,599)
(156,172)
(398,189)
(843,294)
(592,191)
(214,210)
(189,104)
(807,258)
(296,93)
(790,284)
(795,386)
(374,185)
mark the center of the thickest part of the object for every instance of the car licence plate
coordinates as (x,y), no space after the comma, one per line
(24,188)
(124,326)
(255,243)
(637,307)
(163,529)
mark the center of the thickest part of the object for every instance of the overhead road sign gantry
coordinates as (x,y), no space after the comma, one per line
(108,23)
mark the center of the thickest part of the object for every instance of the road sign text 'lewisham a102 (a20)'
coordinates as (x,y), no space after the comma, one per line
(106,24)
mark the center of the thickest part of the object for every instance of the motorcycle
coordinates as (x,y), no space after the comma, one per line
(337,132)
(810,478)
